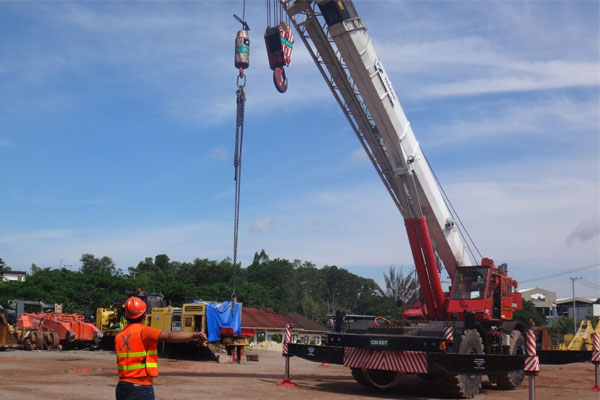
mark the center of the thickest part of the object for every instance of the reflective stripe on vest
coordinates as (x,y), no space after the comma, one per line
(134,360)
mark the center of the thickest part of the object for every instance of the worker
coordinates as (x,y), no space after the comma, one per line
(136,348)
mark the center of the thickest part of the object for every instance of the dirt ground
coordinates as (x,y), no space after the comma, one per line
(65,375)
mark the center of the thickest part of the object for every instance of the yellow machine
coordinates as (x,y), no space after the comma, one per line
(192,318)
(110,321)
(583,338)
(189,318)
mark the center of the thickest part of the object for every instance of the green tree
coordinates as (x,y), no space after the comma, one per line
(402,289)
(34,268)
(528,313)
(92,265)
(564,325)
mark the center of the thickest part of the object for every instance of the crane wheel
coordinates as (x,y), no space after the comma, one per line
(463,386)
(375,378)
(512,380)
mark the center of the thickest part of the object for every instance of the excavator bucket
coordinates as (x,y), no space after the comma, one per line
(7,340)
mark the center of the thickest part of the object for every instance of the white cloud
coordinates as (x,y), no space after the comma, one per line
(261,225)
(584,231)
(34,236)
(549,119)
(219,153)
(474,65)
(125,247)
(522,77)
(359,156)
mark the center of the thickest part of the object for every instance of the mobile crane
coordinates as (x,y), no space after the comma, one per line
(466,333)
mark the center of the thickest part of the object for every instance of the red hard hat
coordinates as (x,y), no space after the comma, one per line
(134,307)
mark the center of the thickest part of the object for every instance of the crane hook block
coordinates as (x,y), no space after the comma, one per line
(242,50)
(279,42)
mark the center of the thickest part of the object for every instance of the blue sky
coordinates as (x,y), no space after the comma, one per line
(117,123)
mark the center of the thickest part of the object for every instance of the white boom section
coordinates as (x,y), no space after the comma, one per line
(345,55)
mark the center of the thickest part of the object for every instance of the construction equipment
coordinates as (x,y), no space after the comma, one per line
(48,328)
(7,340)
(466,333)
(221,325)
(575,348)
(51,330)
(583,337)
(111,320)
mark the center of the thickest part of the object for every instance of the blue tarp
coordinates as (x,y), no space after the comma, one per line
(219,315)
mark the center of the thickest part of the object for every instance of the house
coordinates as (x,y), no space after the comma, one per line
(583,308)
(267,322)
(544,300)
(12,276)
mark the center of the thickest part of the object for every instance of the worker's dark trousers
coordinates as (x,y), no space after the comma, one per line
(129,391)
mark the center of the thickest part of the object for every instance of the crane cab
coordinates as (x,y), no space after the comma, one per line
(486,290)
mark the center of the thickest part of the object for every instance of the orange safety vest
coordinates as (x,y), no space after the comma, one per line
(133,358)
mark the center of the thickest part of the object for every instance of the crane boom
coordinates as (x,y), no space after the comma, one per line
(342,49)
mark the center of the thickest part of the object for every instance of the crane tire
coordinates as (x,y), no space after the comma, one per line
(463,386)
(512,380)
(375,378)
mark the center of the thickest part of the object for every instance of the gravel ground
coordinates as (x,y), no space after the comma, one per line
(89,375)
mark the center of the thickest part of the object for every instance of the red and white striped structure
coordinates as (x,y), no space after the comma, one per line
(532,362)
(287,42)
(449,334)
(288,337)
(401,361)
(596,347)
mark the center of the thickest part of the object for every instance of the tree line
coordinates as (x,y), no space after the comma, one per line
(282,285)
(279,284)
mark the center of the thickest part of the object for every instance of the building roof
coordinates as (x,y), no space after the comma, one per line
(577,299)
(267,318)
(263,318)
(536,289)
(305,323)
(8,271)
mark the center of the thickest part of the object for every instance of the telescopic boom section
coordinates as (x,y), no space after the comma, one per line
(341,47)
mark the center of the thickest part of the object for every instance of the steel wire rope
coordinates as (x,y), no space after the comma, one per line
(462,227)
(237,160)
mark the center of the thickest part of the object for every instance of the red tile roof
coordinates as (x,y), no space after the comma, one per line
(267,318)
(305,323)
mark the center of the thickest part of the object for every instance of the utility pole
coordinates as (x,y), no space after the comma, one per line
(574,305)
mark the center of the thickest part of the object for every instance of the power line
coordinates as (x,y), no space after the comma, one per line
(561,273)
(589,284)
